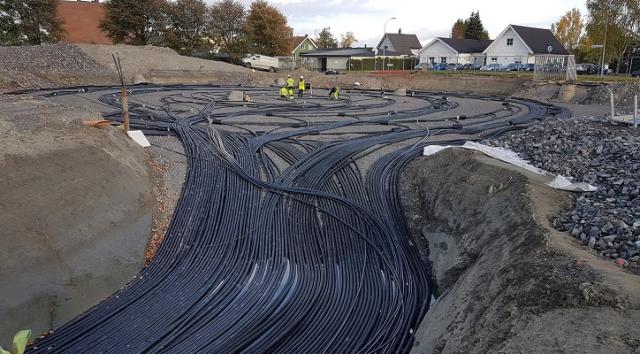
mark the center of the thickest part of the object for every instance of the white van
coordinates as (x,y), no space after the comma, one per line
(262,62)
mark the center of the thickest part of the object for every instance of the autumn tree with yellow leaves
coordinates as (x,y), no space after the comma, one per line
(569,30)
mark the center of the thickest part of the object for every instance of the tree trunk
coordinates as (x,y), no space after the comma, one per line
(620,57)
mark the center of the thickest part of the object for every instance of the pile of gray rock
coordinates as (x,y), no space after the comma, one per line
(29,66)
(623,94)
(603,155)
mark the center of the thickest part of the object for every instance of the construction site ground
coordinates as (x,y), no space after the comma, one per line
(84,209)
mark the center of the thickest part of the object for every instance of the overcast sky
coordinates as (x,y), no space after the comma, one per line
(427,19)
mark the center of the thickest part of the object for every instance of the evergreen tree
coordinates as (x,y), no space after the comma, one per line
(473,28)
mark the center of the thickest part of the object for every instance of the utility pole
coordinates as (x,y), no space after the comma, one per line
(384,35)
(604,44)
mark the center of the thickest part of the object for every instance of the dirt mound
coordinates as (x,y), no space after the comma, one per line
(92,64)
(48,66)
(75,210)
(506,281)
(140,63)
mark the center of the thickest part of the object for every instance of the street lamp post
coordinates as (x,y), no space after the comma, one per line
(384,35)
(600,46)
(604,44)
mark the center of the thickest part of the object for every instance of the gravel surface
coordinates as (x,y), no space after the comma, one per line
(606,156)
(28,66)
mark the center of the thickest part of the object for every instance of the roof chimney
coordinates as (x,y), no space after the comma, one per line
(399,30)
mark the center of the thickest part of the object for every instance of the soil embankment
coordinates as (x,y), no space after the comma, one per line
(506,281)
(75,210)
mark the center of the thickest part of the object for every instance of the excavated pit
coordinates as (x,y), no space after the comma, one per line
(504,282)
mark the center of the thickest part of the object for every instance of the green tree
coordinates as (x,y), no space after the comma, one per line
(614,23)
(267,30)
(29,22)
(136,22)
(457,31)
(569,29)
(325,39)
(226,27)
(473,27)
(347,40)
(187,20)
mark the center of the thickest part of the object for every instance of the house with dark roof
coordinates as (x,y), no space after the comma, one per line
(334,58)
(398,45)
(520,44)
(301,44)
(454,51)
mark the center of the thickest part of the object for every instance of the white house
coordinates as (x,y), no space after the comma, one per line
(519,44)
(456,51)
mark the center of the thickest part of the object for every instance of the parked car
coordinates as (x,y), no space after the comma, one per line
(453,66)
(471,67)
(492,67)
(635,73)
(516,67)
(331,72)
(530,67)
(586,69)
(262,62)
(439,67)
(422,66)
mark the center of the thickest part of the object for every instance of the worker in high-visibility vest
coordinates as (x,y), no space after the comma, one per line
(284,93)
(301,87)
(290,83)
(334,93)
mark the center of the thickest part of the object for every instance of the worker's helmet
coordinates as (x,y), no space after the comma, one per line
(288,75)
(302,77)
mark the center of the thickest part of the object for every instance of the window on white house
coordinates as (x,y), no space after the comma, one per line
(443,60)
(432,60)
(509,41)
(494,59)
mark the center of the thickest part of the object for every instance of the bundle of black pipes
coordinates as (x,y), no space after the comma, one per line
(306,254)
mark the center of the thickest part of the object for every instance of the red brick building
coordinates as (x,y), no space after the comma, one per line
(81,20)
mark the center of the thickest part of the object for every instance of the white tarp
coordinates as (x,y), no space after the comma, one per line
(510,157)
(139,137)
